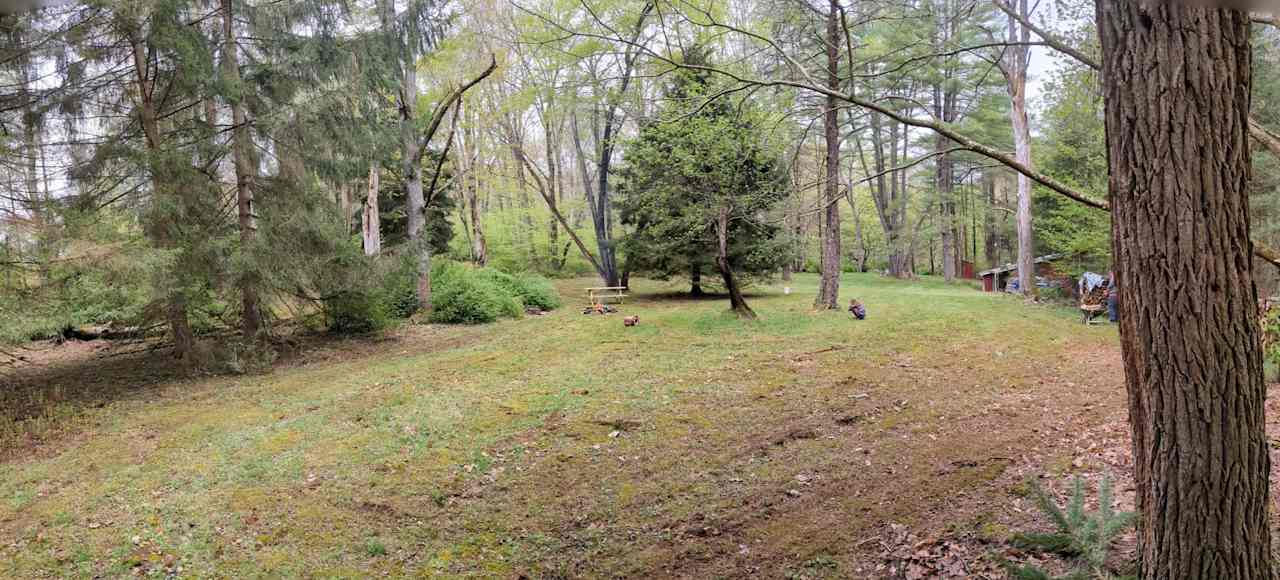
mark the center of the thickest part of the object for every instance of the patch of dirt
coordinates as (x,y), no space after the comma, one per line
(904,474)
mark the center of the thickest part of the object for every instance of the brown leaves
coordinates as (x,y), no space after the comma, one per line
(906,556)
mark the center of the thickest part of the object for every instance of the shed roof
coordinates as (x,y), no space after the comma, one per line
(1012,267)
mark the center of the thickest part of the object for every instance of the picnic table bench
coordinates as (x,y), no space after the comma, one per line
(600,295)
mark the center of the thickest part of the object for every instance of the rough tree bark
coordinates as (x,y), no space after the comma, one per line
(943,175)
(406,100)
(241,154)
(1177,78)
(829,287)
(944,109)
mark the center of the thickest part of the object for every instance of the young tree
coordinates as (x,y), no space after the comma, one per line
(1177,78)
(700,183)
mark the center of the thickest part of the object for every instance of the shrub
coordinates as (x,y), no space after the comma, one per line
(368,306)
(537,292)
(508,283)
(356,312)
(531,290)
(461,295)
(399,291)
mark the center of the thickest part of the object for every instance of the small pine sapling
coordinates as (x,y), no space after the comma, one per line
(1081,534)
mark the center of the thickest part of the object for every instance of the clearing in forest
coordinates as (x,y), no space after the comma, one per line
(692,445)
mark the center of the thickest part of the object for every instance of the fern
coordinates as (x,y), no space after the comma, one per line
(1080,533)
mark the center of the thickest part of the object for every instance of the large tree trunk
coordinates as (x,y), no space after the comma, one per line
(950,246)
(944,98)
(1015,72)
(416,205)
(370,220)
(162,186)
(737,302)
(1177,79)
(602,209)
(829,287)
(1022,145)
(410,155)
(241,153)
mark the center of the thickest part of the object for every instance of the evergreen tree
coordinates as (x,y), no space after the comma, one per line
(700,184)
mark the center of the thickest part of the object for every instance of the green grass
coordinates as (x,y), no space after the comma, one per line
(563,444)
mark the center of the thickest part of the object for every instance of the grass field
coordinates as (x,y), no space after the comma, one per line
(693,445)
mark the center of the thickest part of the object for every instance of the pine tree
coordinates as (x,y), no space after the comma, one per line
(700,185)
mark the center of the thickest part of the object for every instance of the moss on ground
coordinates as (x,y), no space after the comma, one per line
(568,444)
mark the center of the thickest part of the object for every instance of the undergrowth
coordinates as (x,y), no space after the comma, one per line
(1084,536)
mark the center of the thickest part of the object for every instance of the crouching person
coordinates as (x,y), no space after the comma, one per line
(857,309)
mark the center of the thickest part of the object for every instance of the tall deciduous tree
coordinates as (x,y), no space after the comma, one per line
(600,200)
(1177,96)
(829,286)
(1014,65)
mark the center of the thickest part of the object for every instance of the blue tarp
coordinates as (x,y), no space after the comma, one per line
(1089,281)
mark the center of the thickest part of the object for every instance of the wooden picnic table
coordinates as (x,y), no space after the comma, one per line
(599,295)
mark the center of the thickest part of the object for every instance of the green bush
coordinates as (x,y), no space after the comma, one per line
(537,292)
(356,312)
(508,283)
(1271,333)
(392,294)
(461,295)
(103,291)
(399,291)
(531,290)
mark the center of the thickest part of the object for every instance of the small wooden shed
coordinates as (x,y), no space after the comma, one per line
(996,279)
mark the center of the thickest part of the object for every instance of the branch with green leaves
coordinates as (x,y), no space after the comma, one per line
(437,116)
(1261,250)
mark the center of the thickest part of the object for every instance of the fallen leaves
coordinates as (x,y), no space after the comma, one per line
(907,556)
